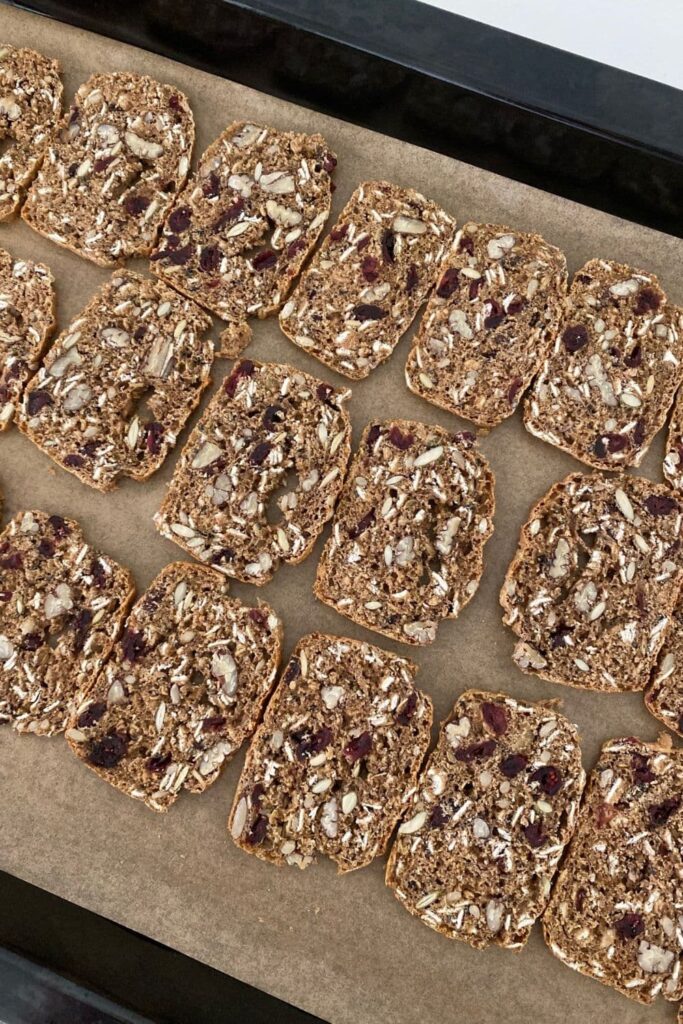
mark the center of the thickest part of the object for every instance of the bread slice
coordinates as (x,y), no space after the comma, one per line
(183,689)
(112,173)
(336,757)
(30,109)
(484,831)
(614,913)
(62,606)
(593,586)
(261,473)
(489,323)
(606,387)
(120,382)
(664,695)
(369,278)
(27,320)
(240,232)
(408,536)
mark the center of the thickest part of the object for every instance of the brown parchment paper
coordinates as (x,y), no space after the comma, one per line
(342,948)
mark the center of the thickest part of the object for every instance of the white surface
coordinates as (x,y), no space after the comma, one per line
(641,36)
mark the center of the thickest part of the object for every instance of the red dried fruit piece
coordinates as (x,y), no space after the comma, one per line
(264,260)
(659,814)
(273,416)
(154,433)
(629,926)
(310,744)
(37,400)
(600,448)
(210,258)
(98,573)
(575,337)
(292,671)
(211,185)
(257,832)
(133,645)
(139,333)
(362,525)
(514,389)
(32,641)
(474,287)
(135,205)
(59,526)
(616,443)
(174,102)
(13,561)
(176,257)
(107,752)
(638,435)
(46,548)
(534,835)
(294,247)
(370,269)
(437,818)
(74,461)
(158,763)
(635,357)
(81,627)
(260,453)
(368,311)
(407,710)
(6,595)
(400,440)
(388,246)
(92,714)
(329,162)
(214,723)
(466,244)
(495,315)
(243,369)
(325,392)
(373,435)
(560,636)
(257,616)
(512,765)
(179,220)
(359,747)
(412,279)
(476,751)
(642,773)
(464,438)
(363,242)
(648,300)
(495,717)
(448,283)
(660,505)
(549,778)
(102,163)
(229,215)
(515,305)
(339,232)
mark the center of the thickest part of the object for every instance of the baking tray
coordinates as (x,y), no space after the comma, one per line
(341,948)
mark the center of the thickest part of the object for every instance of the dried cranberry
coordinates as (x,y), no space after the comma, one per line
(243,369)
(154,433)
(448,283)
(211,185)
(604,814)
(358,747)
(400,440)
(635,357)
(373,434)
(325,392)
(466,245)
(158,763)
(135,205)
(412,279)
(179,220)
(257,832)
(660,505)
(59,526)
(515,305)
(5,595)
(298,245)
(264,260)
(534,835)
(98,573)
(514,389)
(495,315)
(107,752)
(465,438)
(210,258)
(600,448)
(512,765)
(388,246)
(370,268)
(638,435)
(616,443)
(74,461)
(329,162)
(474,287)
(214,723)
(575,337)
(174,102)
(13,561)
(37,400)
(560,636)
(176,257)
(549,779)
(647,301)
(310,744)
(292,671)
(273,415)
(46,548)
(169,187)
(257,616)
(229,215)
(92,714)
(642,773)
(363,242)
(362,525)
(140,333)
(476,751)
(339,232)
(133,644)
(368,311)
(495,717)
(260,453)
(437,818)
(102,163)
(32,641)
(81,626)
(407,711)
(629,926)
(660,813)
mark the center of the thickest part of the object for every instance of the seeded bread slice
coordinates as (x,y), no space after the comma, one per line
(336,757)
(489,322)
(244,226)
(664,696)
(183,689)
(30,107)
(408,537)
(369,278)
(615,909)
(111,174)
(27,320)
(593,586)
(62,605)
(488,822)
(137,343)
(261,473)
(605,389)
